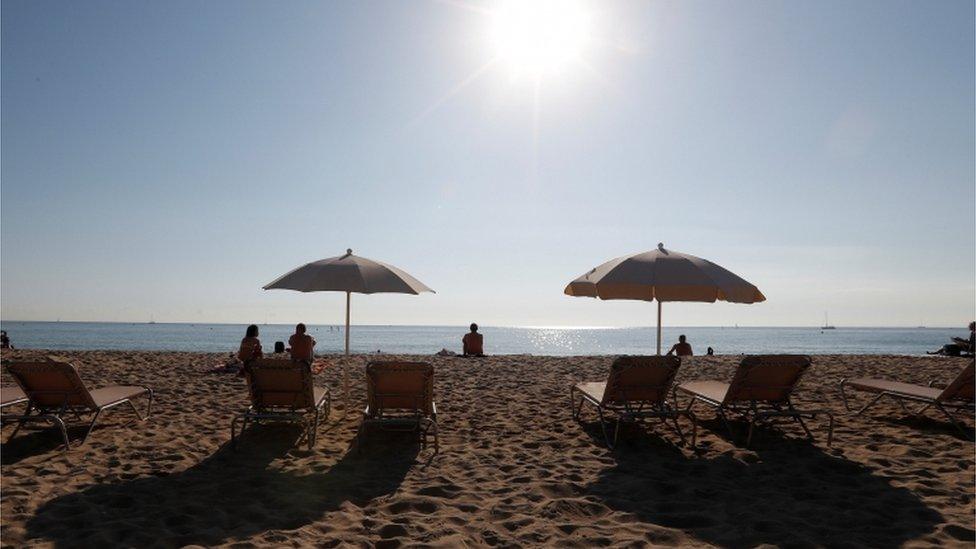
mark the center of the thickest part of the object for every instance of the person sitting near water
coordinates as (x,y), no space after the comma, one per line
(301,345)
(473,343)
(4,340)
(681,348)
(969,345)
(250,346)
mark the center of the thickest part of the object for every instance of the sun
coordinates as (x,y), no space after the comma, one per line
(539,38)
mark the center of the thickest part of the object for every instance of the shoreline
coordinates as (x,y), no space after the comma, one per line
(513,467)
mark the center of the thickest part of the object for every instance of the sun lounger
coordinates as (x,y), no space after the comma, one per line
(760,391)
(958,395)
(637,388)
(400,396)
(281,390)
(54,389)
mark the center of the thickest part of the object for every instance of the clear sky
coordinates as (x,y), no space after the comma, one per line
(167,159)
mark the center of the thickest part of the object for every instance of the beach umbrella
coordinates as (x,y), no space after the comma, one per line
(350,274)
(663,275)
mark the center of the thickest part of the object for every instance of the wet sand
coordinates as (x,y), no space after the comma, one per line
(513,468)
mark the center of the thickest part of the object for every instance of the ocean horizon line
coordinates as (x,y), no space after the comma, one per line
(493,326)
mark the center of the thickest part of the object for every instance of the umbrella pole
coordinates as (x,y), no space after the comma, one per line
(659,327)
(345,376)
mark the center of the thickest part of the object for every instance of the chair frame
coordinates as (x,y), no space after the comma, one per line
(53,414)
(900,398)
(760,411)
(402,420)
(632,411)
(281,413)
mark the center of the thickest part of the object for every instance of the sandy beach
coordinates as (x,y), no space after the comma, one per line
(513,468)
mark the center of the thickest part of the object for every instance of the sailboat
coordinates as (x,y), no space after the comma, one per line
(826,325)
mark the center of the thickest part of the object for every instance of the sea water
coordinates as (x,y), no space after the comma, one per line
(498,340)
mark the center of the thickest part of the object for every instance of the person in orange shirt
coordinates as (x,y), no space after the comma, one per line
(473,343)
(681,348)
(250,346)
(301,345)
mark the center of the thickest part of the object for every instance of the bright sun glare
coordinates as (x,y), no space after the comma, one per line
(539,37)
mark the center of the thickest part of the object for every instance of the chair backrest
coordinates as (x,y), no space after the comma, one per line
(51,383)
(961,388)
(635,379)
(767,378)
(280,383)
(400,387)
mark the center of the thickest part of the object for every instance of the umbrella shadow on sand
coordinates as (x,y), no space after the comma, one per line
(784,492)
(233,494)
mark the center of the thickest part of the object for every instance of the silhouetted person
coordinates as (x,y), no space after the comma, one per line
(710,351)
(4,340)
(473,343)
(250,346)
(302,345)
(681,348)
(968,346)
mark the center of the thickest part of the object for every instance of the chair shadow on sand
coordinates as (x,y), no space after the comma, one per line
(232,494)
(40,438)
(785,491)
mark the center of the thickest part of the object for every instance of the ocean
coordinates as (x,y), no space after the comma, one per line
(498,340)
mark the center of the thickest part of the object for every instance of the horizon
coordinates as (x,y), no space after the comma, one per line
(167,160)
(462,325)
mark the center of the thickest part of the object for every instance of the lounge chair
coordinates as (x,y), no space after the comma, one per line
(400,396)
(282,391)
(958,395)
(760,390)
(637,388)
(54,388)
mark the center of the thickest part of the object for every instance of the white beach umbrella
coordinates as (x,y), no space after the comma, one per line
(351,274)
(664,275)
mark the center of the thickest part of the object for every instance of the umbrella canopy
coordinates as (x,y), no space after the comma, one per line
(350,274)
(664,275)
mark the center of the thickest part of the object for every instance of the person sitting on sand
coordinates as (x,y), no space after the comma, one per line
(473,343)
(301,345)
(250,346)
(969,345)
(4,340)
(681,348)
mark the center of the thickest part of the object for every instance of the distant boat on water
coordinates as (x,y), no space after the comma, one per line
(826,324)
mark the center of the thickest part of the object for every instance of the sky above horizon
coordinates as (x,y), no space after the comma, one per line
(166,160)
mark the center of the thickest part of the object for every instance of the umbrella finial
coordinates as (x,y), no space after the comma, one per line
(660,246)
(348,251)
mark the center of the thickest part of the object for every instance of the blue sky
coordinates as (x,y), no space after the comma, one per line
(167,159)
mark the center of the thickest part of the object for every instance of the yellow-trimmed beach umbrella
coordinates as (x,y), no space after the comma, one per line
(350,274)
(664,275)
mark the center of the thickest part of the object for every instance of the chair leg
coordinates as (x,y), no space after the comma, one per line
(799,419)
(91,426)
(27,412)
(869,404)
(59,423)
(136,410)
(752,424)
(952,420)
(603,427)
(576,408)
(313,430)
